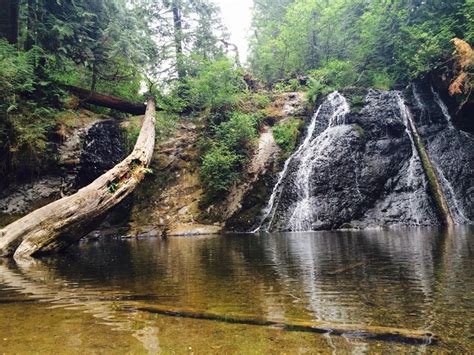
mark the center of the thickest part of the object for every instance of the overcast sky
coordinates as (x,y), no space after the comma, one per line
(236,15)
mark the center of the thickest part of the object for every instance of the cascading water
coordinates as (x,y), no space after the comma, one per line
(303,215)
(449,149)
(363,169)
(305,155)
(456,209)
(415,162)
(443,108)
(269,211)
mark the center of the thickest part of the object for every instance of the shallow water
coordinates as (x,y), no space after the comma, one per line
(97,297)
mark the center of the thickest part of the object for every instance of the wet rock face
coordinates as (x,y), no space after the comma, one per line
(101,150)
(19,199)
(356,169)
(451,149)
(86,153)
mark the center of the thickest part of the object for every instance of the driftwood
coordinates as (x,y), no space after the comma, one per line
(402,335)
(108,101)
(63,222)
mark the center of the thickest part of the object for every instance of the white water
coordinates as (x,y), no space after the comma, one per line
(307,153)
(443,108)
(303,217)
(415,161)
(457,212)
(269,211)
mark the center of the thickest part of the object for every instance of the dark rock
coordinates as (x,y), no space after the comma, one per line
(88,152)
(102,149)
(451,149)
(357,170)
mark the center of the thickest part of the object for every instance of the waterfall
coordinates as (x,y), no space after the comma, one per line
(269,211)
(447,188)
(415,160)
(306,154)
(459,215)
(443,108)
(302,217)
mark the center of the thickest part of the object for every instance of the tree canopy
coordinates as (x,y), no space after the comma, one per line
(386,41)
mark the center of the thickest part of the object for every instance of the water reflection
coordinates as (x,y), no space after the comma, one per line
(36,280)
(405,278)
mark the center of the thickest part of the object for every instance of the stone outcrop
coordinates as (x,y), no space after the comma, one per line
(359,167)
(87,150)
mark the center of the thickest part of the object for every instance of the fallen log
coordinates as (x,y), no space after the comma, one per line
(401,335)
(108,101)
(63,222)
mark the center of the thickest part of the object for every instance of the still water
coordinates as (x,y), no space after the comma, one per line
(114,295)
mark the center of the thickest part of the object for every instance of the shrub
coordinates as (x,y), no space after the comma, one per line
(219,170)
(16,76)
(336,74)
(216,86)
(24,126)
(286,135)
(260,101)
(382,81)
(315,88)
(239,133)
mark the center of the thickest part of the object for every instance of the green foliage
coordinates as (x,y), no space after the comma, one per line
(286,135)
(179,31)
(112,186)
(226,152)
(219,170)
(215,86)
(314,88)
(239,133)
(335,74)
(24,126)
(260,101)
(381,41)
(16,75)
(382,81)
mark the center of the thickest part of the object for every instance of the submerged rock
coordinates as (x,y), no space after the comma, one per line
(194,229)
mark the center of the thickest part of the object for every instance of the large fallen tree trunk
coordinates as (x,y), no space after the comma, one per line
(63,222)
(113,102)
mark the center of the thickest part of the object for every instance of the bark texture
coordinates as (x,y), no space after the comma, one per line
(112,102)
(9,10)
(57,225)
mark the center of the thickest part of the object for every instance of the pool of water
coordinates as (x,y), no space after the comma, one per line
(143,295)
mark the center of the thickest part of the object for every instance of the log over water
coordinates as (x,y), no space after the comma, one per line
(57,225)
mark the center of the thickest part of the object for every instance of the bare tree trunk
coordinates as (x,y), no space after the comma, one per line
(9,10)
(178,38)
(57,225)
(31,25)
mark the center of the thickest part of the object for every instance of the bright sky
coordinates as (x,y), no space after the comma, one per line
(236,15)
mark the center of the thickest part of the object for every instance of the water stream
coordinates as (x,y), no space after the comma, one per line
(307,153)
(95,296)
(451,136)
(415,169)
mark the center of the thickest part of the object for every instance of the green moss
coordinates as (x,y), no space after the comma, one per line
(433,181)
(286,134)
(360,131)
